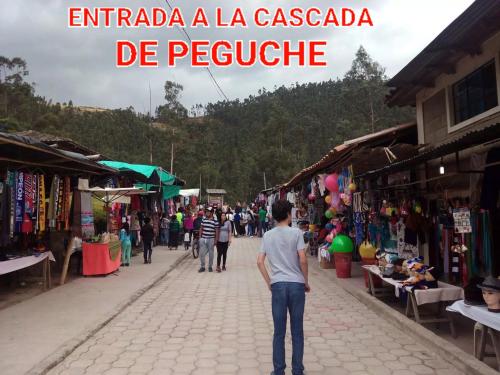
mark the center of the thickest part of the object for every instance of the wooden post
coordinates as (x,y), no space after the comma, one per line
(69,251)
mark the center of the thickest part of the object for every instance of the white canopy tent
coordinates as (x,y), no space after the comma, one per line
(189,192)
(116,195)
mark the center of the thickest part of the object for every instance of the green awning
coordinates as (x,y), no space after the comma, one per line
(165,177)
(170,191)
(146,170)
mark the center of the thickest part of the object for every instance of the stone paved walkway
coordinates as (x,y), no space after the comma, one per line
(212,323)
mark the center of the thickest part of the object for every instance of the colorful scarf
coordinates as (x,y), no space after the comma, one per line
(19,194)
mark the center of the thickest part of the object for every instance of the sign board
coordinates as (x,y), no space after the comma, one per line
(461,218)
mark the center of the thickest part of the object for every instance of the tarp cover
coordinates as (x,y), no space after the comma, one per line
(146,170)
(170,191)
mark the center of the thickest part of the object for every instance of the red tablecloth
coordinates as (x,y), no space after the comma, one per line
(97,261)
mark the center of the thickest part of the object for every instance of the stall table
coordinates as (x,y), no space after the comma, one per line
(443,293)
(17,264)
(487,324)
(101,258)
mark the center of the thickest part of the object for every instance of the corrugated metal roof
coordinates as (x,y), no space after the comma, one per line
(464,141)
(29,151)
(61,143)
(340,153)
(463,36)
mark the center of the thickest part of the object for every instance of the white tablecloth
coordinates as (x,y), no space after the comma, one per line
(479,314)
(444,291)
(9,266)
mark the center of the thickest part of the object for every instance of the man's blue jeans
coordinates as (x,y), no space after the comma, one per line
(288,297)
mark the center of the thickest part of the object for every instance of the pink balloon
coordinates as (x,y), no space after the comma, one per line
(331,182)
(312,197)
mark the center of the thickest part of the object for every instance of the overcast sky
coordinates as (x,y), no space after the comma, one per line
(80,64)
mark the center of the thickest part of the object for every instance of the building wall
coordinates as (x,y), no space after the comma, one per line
(435,106)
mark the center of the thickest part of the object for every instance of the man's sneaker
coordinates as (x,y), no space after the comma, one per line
(210,269)
(202,269)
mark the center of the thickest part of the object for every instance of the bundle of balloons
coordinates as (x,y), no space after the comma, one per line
(341,188)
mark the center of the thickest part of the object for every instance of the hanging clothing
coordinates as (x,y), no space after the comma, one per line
(87,215)
(42,211)
(19,194)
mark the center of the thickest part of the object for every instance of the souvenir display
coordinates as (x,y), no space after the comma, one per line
(491,293)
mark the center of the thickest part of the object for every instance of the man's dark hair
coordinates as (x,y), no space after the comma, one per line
(281,210)
(147,220)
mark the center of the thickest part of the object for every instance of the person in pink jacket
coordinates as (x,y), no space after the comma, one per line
(188,224)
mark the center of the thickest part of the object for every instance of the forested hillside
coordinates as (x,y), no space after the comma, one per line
(229,144)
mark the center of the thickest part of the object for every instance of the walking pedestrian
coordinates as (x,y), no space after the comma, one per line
(147,234)
(262,221)
(164,229)
(135,228)
(187,240)
(209,236)
(236,220)
(126,244)
(250,222)
(188,224)
(285,249)
(197,222)
(173,236)
(225,235)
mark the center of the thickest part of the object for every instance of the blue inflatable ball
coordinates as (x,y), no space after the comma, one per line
(329,227)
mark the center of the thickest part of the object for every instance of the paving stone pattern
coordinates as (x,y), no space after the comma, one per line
(211,323)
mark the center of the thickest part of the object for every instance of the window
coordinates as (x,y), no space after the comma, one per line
(476,93)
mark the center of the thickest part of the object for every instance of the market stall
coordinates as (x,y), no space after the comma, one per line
(101,258)
(37,200)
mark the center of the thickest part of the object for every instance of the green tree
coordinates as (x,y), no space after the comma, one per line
(172,110)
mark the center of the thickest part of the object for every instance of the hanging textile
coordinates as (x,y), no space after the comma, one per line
(5,214)
(486,234)
(87,215)
(60,204)
(19,202)
(67,202)
(41,204)
(27,225)
(54,195)
(11,181)
(357,205)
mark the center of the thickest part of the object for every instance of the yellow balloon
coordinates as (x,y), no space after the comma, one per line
(328,199)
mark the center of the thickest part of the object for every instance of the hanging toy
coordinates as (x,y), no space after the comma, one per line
(335,200)
(331,182)
(352,187)
(311,197)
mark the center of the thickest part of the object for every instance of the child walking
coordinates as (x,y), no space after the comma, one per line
(187,240)
(126,244)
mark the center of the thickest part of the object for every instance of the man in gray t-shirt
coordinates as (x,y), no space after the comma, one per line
(285,249)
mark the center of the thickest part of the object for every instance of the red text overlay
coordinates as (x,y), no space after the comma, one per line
(220,53)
